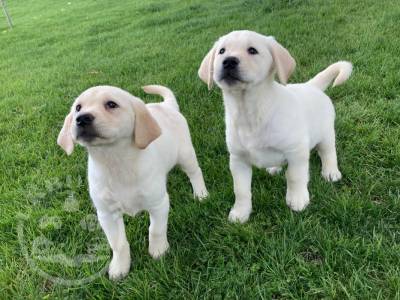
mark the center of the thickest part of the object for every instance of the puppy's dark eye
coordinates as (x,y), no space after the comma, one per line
(78,107)
(111,104)
(222,51)
(252,51)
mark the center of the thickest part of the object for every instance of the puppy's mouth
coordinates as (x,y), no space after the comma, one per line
(88,135)
(231,77)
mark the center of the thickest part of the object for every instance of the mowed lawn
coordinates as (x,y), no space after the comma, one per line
(345,245)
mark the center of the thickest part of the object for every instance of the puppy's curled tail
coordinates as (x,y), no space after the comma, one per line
(166,93)
(339,72)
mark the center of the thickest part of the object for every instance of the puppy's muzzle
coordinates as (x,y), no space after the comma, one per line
(85,128)
(84,120)
(230,70)
(230,63)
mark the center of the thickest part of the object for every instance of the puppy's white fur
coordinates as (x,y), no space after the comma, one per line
(136,147)
(269,124)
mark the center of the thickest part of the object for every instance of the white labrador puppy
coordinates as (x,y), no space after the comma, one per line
(132,147)
(269,124)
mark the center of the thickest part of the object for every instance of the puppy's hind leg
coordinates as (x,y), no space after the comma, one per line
(188,161)
(158,242)
(327,152)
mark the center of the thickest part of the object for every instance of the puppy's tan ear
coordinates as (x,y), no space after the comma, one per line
(284,62)
(65,136)
(206,69)
(146,127)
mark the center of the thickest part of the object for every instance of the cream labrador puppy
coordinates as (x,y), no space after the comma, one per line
(268,123)
(132,147)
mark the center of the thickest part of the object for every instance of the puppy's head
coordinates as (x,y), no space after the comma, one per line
(244,58)
(103,115)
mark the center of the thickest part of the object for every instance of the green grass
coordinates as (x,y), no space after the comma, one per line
(345,245)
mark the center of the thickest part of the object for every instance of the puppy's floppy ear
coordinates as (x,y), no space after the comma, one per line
(65,137)
(284,62)
(206,69)
(146,127)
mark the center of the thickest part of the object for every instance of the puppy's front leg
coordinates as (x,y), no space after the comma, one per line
(158,242)
(297,197)
(113,226)
(241,173)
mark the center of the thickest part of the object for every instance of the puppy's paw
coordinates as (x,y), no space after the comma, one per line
(158,247)
(331,175)
(274,170)
(297,200)
(119,267)
(201,194)
(239,215)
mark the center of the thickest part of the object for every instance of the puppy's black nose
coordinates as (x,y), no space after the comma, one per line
(84,120)
(230,63)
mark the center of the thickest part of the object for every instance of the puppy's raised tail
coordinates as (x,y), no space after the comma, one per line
(166,93)
(339,72)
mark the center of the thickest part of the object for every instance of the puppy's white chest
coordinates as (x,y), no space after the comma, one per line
(112,194)
(263,157)
(120,188)
(254,148)
(131,199)
(266,158)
